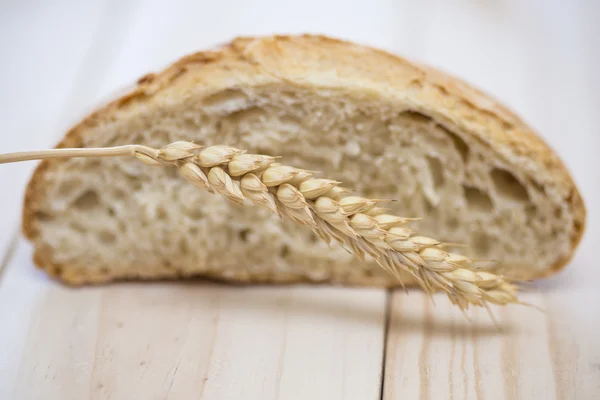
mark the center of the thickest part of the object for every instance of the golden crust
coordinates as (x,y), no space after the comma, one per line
(318,61)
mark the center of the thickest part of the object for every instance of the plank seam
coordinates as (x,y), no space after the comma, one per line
(386,331)
(13,243)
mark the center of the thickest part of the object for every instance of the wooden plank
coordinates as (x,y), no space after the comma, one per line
(542,67)
(172,340)
(176,340)
(434,352)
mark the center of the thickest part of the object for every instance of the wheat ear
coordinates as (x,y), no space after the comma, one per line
(358,223)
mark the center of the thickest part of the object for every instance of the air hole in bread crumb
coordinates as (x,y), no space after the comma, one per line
(368,273)
(87,200)
(119,194)
(442,90)
(249,115)
(558,212)
(226,101)
(415,84)
(134,183)
(437,173)
(508,187)
(507,126)
(461,146)
(313,238)
(375,174)
(93,164)
(428,207)
(481,243)
(477,200)
(452,223)
(161,214)
(171,173)
(538,186)
(67,187)
(107,237)
(42,216)
(262,150)
(509,249)
(78,227)
(377,150)
(195,213)
(243,234)
(183,247)
(284,252)
(415,116)
(193,230)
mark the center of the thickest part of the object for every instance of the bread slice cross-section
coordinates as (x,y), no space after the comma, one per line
(388,128)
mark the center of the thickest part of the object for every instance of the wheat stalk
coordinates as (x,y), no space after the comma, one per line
(358,223)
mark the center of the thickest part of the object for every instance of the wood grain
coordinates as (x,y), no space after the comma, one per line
(182,340)
(539,66)
(434,352)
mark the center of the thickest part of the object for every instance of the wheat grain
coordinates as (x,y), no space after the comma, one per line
(358,223)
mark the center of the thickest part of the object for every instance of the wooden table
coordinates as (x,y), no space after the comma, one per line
(200,340)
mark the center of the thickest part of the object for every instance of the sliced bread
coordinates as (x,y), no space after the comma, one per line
(473,170)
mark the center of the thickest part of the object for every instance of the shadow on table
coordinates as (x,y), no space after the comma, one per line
(296,303)
(333,303)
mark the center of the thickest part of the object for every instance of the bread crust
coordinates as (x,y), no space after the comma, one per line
(318,61)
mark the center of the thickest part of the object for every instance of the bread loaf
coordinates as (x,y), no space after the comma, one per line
(473,170)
